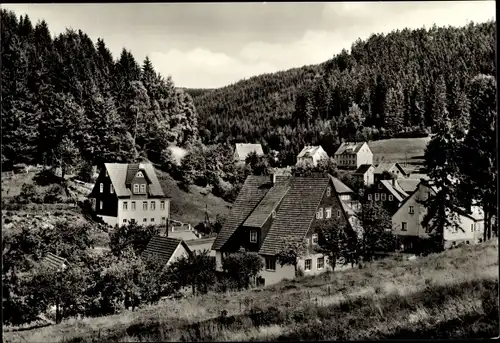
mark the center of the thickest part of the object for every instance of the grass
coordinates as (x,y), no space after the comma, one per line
(190,207)
(452,294)
(401,150)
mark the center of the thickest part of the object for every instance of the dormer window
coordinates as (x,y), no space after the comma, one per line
(139,174)
(319,214)
(273,214)
(136,188)
(253,236)
(328,191)
(143,188)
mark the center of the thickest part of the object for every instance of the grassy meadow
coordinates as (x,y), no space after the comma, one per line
(449,295)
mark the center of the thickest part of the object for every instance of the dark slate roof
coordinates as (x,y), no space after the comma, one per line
(161,248)
(250,195)
(54,262)
(349,148)
(269,203)
(340,187)
(296,212)
(400,196)
(387,166)
(120,173)
(362,169)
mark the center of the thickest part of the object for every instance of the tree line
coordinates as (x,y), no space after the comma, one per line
(398,84)
(66,97)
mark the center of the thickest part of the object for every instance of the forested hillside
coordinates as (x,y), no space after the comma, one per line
(67,97)
(390,85)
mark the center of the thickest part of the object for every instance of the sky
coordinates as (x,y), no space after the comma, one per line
(208,45)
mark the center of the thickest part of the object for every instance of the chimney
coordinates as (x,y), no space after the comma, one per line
(272,178)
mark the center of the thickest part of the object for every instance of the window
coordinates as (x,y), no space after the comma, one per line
(253,236)
(153,205)
(328,212)
(369,197)
(101,187)
(391,197)
(319,214)
(321,263)
(379,186)
(106,173)
(411,210)
(383,196)
(152,219)
(307,241)
(377,196)
(139,174)
(124,221)
(162,205)
(125,205)
(133,206)
(111,190)
(338,213)
(136,188)
(328,191)
(471,227)
(308,264)
(143,188)
(144,220)
(403,226)
(270,263)
(163,219)
(100,205)
(144,205)
(315,238)
(273,214)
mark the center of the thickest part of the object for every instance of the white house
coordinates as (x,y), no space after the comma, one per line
(242,150)
(352,155)
(311,155)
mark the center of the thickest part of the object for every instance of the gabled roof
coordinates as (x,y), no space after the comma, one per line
(362,169)
(309,151)
(340,187)
(54,262)
(250,195)
(386,167)
(409,185)
(162,248)
(418,176)
(244,149)
(349,148)
(269,203)
(400,196)
(121,174)
(296,212)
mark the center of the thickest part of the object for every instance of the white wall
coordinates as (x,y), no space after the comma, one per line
(179,251)
(139,214)
(413,221)
(108,220)
(364,156)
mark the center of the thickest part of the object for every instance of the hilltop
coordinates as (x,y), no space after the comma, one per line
(432,296)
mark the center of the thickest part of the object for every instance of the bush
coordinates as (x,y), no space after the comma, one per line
(28,195)
(242,267)
(54,194)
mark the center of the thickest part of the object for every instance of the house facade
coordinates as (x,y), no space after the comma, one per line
(352,155)
(407,221)
(386,193)
(270,209)
(242,150)
(365,173)
(393,168)
(126,192)
(311,155)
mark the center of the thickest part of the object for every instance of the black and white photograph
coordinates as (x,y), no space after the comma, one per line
(254,171)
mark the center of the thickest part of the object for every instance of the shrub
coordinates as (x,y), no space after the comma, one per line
(242,267)
(54,194)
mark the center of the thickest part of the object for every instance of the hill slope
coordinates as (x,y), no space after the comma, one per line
(386,85)
(453,294)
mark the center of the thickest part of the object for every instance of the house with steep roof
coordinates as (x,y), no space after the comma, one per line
(269,209)
(242,150)
(351,155)
(365,173)
(386,193)
(165,250)
(392,168)
(311,155)
(125,192)
(407,220)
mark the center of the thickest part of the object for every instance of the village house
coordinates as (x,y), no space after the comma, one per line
(365,174)
(386,193)
(269,209)
(407,221)
(242,150)
(392,168)
(311,155)
(352,155)
(165,250)
(125,192)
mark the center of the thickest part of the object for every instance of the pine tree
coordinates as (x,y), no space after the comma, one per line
(439,106)
(394,111)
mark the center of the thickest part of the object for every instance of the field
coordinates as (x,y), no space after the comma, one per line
(449,295)
(409,151)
